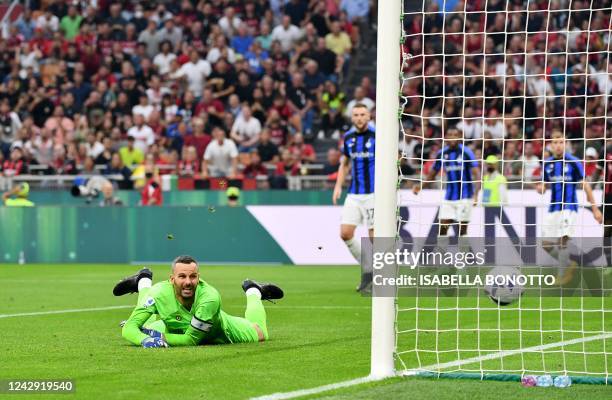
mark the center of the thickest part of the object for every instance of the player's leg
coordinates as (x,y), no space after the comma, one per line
(242,329)
(351,217)
(567,267)
(446,218)
(464,213)
(366,207)
(134,283)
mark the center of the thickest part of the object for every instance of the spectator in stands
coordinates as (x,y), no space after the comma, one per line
(242,41)
(254,168)
(246,129)
(170,33)
(195,72)
(63,163)
(130,154)
(359,97)
(338,41)
(494,126)
(143,107)
(108,196)
(164,58)
(289,164)
(143,134)
(286,34)
(220,157)
(268,151)
(189,165)
(117,167)
(16,164)
(303,152)
(70,23)
(9,125)
(332,163)
(591,163)
(151,193)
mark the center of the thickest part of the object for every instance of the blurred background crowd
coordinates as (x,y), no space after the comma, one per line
(209,88)
(264,88)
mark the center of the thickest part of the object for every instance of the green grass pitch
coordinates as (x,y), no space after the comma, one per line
(319,335)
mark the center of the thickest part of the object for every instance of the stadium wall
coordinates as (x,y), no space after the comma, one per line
(280,234)
(194,197)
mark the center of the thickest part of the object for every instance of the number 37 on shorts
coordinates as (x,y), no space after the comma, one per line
(358,209)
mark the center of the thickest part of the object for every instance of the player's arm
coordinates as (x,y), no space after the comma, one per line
(343,171)
(588,190)
(132,329)
(476,182)
(201,324)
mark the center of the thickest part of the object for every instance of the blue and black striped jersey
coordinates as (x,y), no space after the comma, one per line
(457,164)
(359,147)
(563,174)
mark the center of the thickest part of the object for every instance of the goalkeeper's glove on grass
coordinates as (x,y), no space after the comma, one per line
(154,342)
(151,332)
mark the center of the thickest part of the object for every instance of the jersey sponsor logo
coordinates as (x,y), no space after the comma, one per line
(149,302)
(200,325)
(362,154)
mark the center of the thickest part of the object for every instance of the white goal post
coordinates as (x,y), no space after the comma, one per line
(386,174)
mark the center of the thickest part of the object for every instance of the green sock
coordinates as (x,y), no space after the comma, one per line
(256,313)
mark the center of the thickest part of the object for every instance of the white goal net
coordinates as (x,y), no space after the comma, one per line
(507,76)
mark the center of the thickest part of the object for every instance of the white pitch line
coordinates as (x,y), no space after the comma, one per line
(77,310)
(434,367)
(74,310)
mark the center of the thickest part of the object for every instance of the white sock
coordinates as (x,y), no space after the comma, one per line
(253,292)
(144,283)
(354,246)
(563,259)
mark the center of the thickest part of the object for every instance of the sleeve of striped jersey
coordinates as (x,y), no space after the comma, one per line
(438,161)
(345,148)
(471,157)
(578,171)
(545,172)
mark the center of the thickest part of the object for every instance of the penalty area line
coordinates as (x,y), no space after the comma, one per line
(429,368)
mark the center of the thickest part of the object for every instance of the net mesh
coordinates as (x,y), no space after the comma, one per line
(507,74)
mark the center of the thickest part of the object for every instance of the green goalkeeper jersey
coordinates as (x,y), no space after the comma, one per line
(205,323)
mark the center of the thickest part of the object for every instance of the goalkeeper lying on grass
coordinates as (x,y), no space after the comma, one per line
(186,311)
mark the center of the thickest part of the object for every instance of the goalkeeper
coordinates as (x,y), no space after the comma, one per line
(186,311)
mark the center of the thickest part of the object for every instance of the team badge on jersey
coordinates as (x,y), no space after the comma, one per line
(149,302)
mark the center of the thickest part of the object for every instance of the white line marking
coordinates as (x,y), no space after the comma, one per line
(434,367)
(75,310)
(319,389)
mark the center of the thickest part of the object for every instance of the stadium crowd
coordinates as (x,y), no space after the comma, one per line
(508,73)
(209,88)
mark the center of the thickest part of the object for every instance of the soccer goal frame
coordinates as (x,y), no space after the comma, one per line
(384,319)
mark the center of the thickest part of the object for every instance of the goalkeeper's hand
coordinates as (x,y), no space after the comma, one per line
(153,333)
(151,342)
